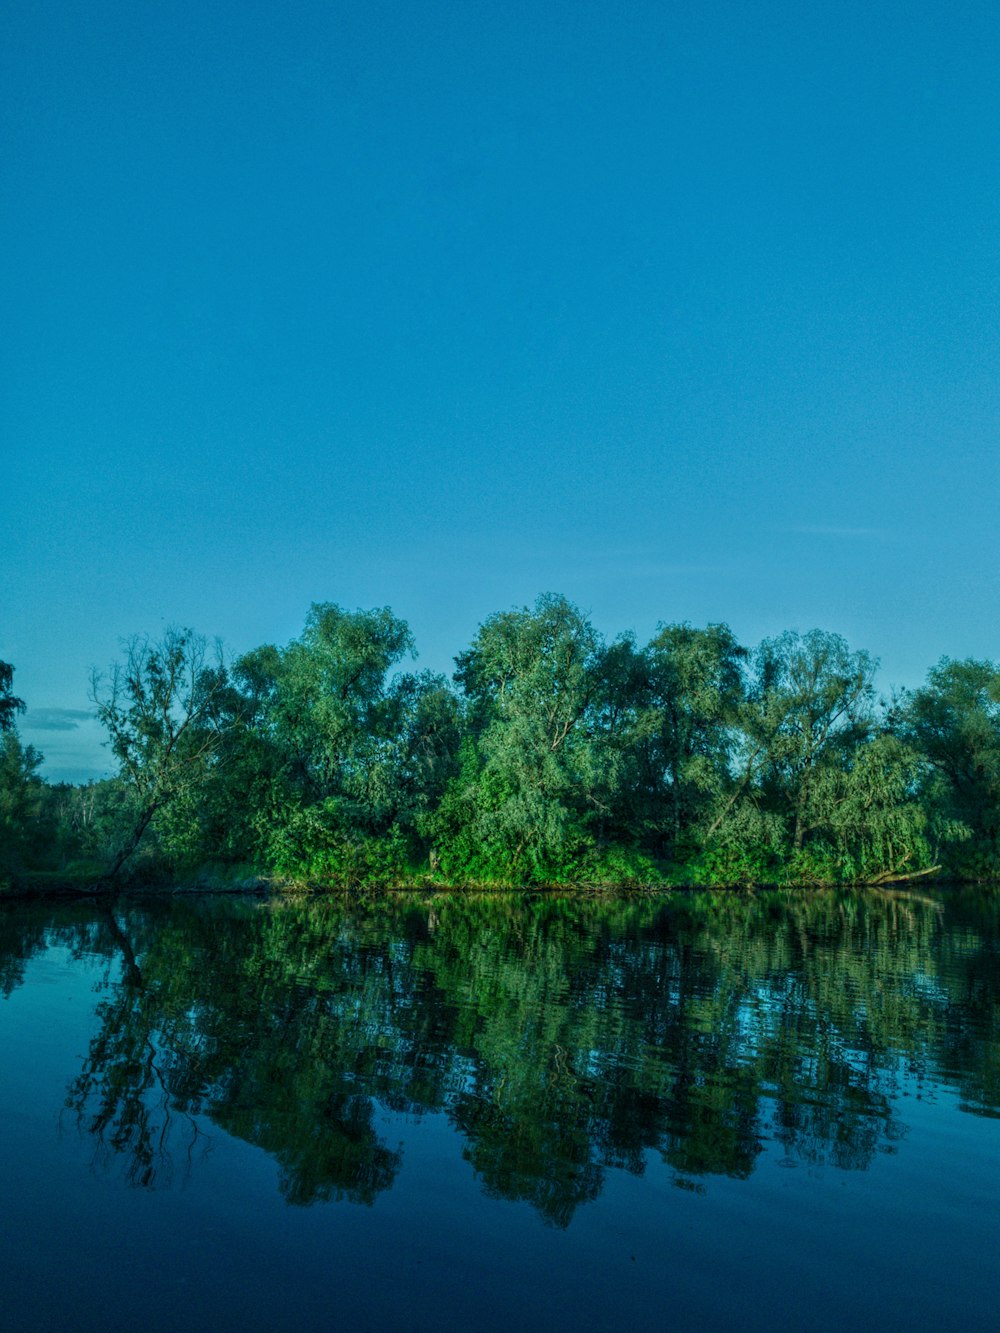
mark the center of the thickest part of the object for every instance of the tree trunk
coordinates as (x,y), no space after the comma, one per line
(142,823)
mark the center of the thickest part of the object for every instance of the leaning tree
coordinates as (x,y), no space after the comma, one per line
(162,707)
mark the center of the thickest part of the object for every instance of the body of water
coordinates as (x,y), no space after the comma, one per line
(771,1111)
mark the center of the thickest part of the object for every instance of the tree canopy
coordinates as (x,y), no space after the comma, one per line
(552,756)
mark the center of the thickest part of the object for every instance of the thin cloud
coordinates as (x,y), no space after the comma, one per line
(653,570)
(823,530)
(56,719)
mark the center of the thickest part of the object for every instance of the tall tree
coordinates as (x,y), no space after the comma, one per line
(10,705)
(326,697)
(22,805)
(160,708)
(532,680)
(954,722)
(693,696)
(331,718)
(810,704)
(21,789)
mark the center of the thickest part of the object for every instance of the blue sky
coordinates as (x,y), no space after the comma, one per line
(686,311)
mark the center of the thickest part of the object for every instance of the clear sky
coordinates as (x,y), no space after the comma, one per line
(687,311)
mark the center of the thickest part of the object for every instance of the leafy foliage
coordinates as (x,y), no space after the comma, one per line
(160,707)
(10,705)
(553,757)
(954,722)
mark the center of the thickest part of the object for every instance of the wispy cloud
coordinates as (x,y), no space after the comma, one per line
(829,530)
(56,719)
(654,570)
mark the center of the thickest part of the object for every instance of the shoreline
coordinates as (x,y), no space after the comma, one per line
(35,886)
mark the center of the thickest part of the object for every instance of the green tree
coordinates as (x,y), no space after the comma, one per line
(532,681)
(811,705)
(954,723)
(329,719)
(692,697)
(22,804)
(431,728)
(22,792)
(10,705)
(864,816)
(160,708)
(328,705)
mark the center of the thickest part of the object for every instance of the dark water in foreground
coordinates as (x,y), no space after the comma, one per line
(770,1112)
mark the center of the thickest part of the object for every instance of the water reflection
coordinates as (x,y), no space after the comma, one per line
(562,1037)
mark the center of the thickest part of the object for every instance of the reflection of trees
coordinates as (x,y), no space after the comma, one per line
(127,1094)
(27,928)
(562,1037)
(211,1023)
(22,934)
(696,1029)
(970,953)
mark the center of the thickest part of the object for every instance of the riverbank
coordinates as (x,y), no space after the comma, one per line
(241,880)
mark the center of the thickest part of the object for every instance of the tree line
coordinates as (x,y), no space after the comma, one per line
(552,756)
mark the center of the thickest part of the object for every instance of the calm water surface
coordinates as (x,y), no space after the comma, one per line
(763,1112)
